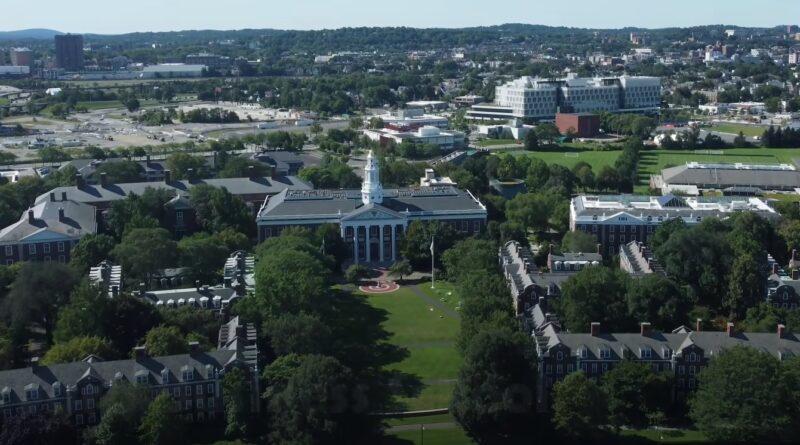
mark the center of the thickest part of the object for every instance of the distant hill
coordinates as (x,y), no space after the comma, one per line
(32,34)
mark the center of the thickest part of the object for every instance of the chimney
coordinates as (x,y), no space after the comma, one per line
(63,196)
(35,362)
(103,179)
(167,177)
(645,328)
(194,347)
(140,353)
(61,214)
(595,329)
(79,182)
(698,325)
(730,330)
(781,331)
(31,219)
(52,197)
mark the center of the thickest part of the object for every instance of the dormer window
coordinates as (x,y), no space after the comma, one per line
(693,357)
(605,353)
(6,395)
(142,377)
(32,392)
(58,389)
(164,376)
(187,374)
(666,353)
(645,352)
(559,355)
(209,372)
(583,352)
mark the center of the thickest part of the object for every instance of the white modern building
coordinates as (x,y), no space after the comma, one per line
(446,140)
(530,97)
(410,119)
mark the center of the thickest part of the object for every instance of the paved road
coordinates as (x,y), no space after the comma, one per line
(418,427)
(434,302)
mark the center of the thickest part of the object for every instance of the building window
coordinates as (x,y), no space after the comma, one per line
(559,369)
(210,388)
(78,405)
(89,390)
(176,392)
(605,354)
(199,403)
(46,247)
(90,404)
(199,390)
(79,419)
(9,250)
(560,356)
(692,357)
(210,403)
(681,369)
(92,418)
(594,368)
(179,218)
(691,383)
(187,374)
(188,391)
(32,249)
(691,370)
(189,404)
(61,246)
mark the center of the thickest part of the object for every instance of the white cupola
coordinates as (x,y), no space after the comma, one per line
(371,189)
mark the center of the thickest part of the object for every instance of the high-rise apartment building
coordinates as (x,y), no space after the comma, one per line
(21,57)
(69,52)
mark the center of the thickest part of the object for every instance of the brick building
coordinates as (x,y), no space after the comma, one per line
(582,125)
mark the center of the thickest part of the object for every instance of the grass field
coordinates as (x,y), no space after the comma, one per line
(748,130)
(4,101)
(444,292)
(597,159)
(454,436)
(429,335)
(670,436)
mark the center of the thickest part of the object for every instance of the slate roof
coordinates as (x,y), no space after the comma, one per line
(79,220)
(68,374)
(333,204)
(712,343)
(165,296)
(95,194)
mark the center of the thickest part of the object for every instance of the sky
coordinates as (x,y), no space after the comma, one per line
(117,17)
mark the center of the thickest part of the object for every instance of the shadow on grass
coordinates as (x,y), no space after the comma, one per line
(359,340)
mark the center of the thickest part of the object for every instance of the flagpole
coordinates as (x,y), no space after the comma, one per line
(433,264)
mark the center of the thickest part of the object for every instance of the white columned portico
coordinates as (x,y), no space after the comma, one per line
(367,240)
(355,244)
(380,235)
(394,242)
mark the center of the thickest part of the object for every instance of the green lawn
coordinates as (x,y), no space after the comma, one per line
(597,159)
(494,142)
(671,436)
(444,292)
(429,335)
(748,130)
(455,436)
(441,418)
(4,101)
(433,396)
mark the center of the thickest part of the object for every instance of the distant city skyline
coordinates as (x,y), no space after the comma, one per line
(104,17)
